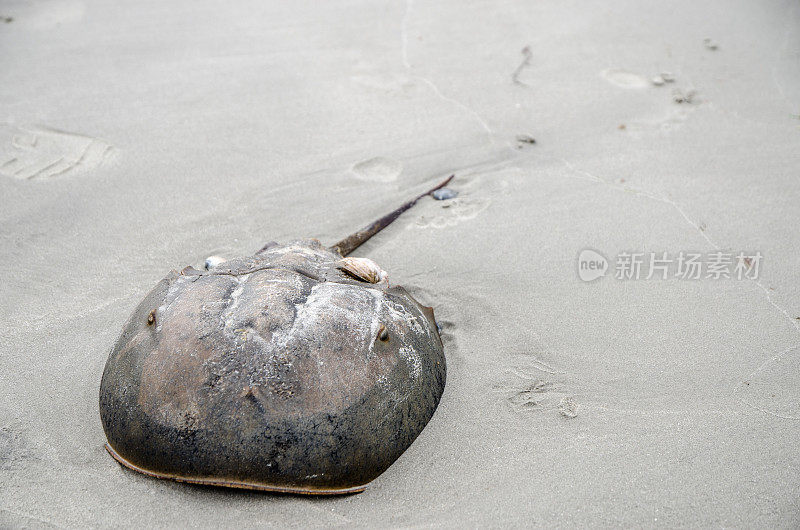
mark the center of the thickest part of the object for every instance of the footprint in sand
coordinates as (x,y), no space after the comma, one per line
(529,388)
(378,169)
(475,194)
(20,449)
(453,211)
(535,395)
(530,394)
(624,79)
(40,152)
(14,448)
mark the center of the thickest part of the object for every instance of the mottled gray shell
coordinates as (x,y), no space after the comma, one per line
(277,371)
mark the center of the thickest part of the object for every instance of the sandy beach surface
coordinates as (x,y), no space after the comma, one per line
(142,137)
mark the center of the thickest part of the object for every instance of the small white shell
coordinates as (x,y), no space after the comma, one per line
(362,268)
(213,261)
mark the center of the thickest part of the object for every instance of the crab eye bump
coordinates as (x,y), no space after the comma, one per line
(383,334)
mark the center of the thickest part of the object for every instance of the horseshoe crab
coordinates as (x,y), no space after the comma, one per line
(296,369)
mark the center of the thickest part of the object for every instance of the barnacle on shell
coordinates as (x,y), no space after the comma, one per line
(213,261)
(362,268)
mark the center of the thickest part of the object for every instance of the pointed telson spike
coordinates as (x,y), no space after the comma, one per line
(355,240)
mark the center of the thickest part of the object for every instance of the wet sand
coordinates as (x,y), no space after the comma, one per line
(145,137)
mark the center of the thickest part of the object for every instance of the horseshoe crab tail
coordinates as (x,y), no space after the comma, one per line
(355,240)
